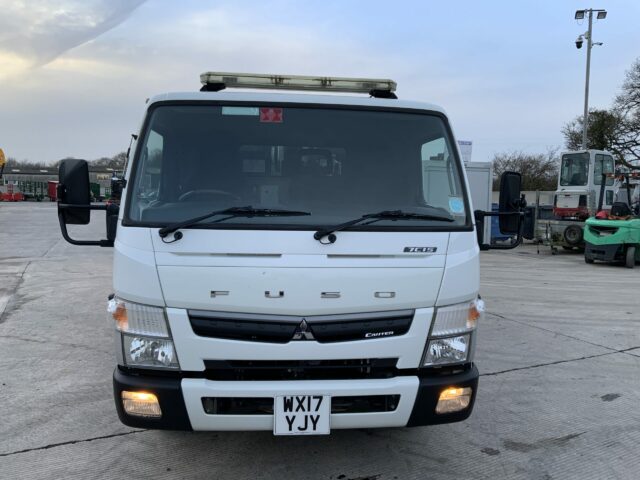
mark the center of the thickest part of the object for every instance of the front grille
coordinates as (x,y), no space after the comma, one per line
(341,331)
(238,405)
(602,230)
(284,328)
(273,332)
(264,405)
(365,404)
(251,370)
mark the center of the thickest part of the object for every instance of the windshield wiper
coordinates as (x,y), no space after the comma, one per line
(232,212)
(376,217)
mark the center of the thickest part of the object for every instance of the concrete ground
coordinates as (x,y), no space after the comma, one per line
(559,354)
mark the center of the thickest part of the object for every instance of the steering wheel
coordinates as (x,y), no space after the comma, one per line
(203,194)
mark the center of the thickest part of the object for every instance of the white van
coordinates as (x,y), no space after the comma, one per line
(291,262)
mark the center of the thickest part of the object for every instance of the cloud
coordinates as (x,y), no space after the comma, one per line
(36,32)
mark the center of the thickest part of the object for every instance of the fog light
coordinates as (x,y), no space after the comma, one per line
(141,404)
(453,400)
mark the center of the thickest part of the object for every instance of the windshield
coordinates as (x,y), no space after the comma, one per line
(336,164)
(575,169)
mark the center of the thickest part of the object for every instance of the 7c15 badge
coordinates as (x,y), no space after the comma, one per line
(420,249)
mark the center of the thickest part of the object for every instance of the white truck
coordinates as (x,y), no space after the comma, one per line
(291,262)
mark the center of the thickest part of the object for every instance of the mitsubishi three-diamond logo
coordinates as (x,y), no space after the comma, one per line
(303,332)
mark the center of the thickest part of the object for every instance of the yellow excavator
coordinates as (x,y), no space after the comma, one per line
(3,160)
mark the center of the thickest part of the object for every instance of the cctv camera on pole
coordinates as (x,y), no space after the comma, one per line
(580,14)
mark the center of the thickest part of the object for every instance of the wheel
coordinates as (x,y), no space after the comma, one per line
(573,235)
(630,258)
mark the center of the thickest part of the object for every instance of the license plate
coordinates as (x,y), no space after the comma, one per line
(302,415)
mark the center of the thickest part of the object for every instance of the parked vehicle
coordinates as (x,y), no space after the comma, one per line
(577,196)
(33,190)
(613,241)
(614,236)
(292,262)
(579,184)
(11,193)
(52,190)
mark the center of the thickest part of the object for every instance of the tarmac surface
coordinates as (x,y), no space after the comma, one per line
(558,352)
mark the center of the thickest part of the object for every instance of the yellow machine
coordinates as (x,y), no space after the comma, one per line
(3,160)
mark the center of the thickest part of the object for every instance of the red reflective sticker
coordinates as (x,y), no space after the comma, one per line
(271,115)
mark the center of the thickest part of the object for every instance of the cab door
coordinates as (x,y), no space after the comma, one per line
(603,163)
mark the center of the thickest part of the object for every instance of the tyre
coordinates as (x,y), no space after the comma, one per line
(588,259)
(630,258)
(573,235)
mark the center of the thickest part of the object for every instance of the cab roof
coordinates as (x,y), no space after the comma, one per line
(301,98)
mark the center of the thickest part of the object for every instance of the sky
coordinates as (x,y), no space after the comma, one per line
(75,74)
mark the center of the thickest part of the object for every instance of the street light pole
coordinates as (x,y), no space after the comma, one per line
(585,121)
(580,14)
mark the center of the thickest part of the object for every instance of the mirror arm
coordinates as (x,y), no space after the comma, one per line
(65,233)
(64,206)
(480,214)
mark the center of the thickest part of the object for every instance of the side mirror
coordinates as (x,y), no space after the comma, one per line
(510,203)
(509,213)
(74,189)
(74,203)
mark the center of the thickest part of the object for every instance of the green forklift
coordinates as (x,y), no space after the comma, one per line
(614,236)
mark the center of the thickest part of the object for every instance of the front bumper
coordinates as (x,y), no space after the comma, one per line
(604,253)
(181,400)
(169,393)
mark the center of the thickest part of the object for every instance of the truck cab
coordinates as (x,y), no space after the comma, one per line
(579,184)
(291,262)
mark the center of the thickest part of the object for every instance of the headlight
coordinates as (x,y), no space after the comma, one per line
(442,351)
(452,333)
(149,352)
(144,334)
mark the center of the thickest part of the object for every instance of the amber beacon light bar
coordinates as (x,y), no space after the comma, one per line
(215,81)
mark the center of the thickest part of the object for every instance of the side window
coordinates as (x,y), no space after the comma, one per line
(440,183)
(151,161)
(609,197)
(603,164)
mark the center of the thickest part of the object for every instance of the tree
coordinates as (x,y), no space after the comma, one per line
(617,129)
(602,131)
(24,164)
(116,162)
(627,107)
(539,170)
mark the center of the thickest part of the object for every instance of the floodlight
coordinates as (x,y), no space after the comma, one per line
(580,14)
(602,15)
